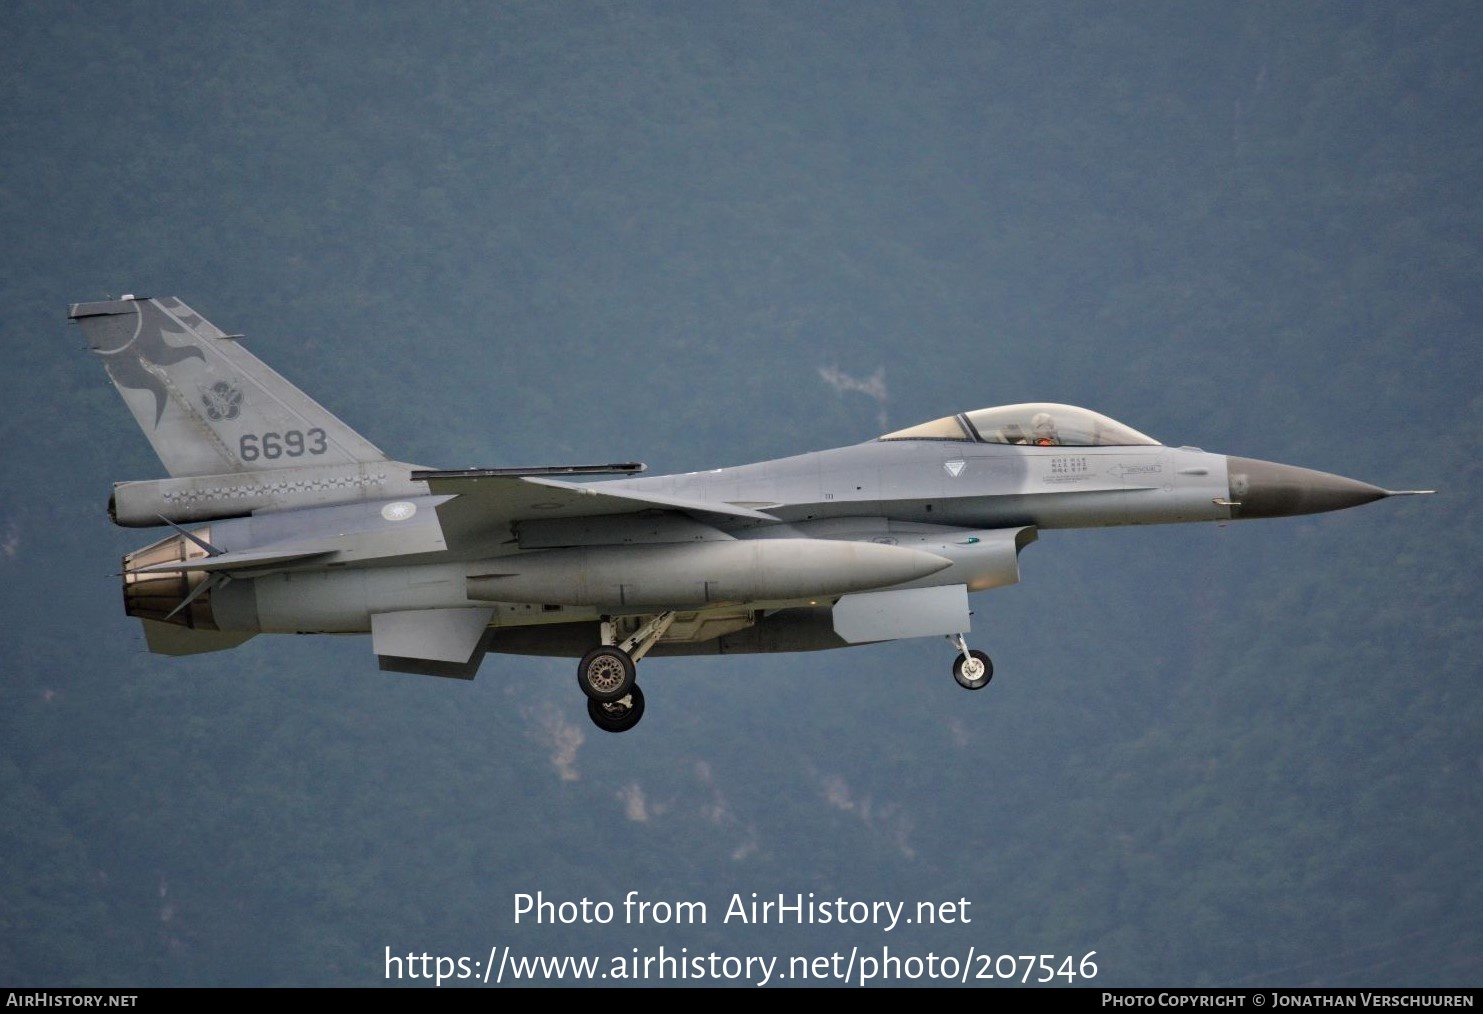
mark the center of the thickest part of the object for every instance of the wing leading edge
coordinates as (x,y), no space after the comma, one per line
(484,502)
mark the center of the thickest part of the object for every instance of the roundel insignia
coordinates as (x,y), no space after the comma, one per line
(399,511)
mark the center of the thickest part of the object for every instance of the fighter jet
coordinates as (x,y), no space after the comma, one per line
(285,520)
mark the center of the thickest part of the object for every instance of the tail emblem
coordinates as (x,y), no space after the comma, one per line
(151,353)
(222,401)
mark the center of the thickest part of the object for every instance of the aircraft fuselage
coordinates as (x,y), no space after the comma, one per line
(307,527)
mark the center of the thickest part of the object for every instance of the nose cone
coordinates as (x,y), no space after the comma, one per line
(1265,489)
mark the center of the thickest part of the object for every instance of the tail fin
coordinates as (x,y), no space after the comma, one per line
(207,405)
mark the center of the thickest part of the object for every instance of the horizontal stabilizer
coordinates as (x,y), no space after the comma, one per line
(247,559)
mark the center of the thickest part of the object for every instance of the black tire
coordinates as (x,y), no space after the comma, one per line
(617,717)
(605,674)
(963,671)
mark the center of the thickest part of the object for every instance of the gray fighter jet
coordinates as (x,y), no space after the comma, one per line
(301,525)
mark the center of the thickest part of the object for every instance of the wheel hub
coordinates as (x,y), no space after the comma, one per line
(606,674)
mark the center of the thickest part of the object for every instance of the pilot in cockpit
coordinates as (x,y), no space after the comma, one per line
(1044,428)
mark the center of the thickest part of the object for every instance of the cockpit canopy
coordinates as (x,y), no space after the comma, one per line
(1033,424)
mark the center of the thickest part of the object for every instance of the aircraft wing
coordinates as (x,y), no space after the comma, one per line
(488,501)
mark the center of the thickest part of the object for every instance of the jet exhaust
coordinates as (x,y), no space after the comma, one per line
(158,595)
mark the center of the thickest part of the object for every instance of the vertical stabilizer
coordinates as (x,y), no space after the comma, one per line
(207,405)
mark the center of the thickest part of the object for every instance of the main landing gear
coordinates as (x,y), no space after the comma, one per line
(972,669)
(620,715)
(606,674)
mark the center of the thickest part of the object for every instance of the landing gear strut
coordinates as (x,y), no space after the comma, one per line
(606,674)
(972,668)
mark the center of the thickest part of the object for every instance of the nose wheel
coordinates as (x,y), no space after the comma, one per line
(972,668)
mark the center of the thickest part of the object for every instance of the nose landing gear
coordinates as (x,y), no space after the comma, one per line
(972,668)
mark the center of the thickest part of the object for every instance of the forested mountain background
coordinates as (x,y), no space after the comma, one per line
(701,234)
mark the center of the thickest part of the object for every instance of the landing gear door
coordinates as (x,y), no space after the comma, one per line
(912,612)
